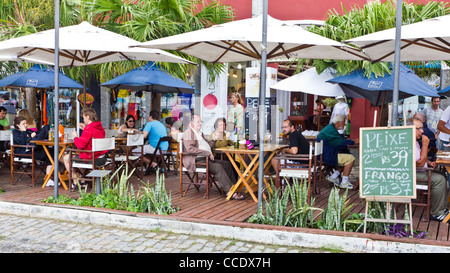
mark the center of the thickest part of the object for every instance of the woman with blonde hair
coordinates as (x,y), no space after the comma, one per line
(236,113)
(30,120)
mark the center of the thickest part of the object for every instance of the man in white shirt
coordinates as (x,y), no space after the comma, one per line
(341,108)
(433,114)
(444,128)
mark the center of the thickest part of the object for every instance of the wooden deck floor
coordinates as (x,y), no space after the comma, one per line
(216,208)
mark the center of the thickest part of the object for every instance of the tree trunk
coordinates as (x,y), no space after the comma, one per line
(32,108)
(156,102)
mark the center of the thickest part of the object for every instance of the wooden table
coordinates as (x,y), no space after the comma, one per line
(45,144)
(443,160)
(249,170)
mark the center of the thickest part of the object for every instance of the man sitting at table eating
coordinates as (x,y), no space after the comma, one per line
(194,142)
(297,142)
(333,144)
(154,130)
(439,208)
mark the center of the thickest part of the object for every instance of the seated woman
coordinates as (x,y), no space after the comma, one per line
(170,121)
(30,120)
(128,127)
(22,136)
(92,128)
(219,135)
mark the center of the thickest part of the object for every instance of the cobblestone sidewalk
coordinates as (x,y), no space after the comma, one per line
(38,235)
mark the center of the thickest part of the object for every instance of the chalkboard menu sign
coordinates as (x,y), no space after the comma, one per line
(387,162)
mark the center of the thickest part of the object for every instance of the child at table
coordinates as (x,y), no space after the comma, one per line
(22,136)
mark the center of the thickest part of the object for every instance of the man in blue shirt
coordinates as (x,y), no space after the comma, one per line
(153,130)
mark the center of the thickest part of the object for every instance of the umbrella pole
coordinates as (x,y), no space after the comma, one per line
(56,114)
(84,85)
(398,27)
(262,100)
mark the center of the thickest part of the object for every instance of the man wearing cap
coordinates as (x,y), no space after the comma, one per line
(341,108)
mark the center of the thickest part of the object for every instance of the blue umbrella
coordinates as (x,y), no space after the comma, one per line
(149,78)
(39,76)
(356,85)
(445,91)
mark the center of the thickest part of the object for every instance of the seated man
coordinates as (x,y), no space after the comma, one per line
(297,142)
(154,130)
(439,209)
(194,142)
(333,142)
(4,125)
(432,149)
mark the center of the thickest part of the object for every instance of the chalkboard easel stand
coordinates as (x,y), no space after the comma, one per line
(388,212)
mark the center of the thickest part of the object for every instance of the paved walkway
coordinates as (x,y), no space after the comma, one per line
(22,234)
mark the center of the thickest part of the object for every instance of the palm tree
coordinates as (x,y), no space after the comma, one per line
(145,20)
(141,20)
(372,17)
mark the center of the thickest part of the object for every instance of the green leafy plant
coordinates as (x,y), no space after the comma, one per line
(289,207)
(334,215)
(122,196)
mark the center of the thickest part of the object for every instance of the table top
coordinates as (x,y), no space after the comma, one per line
(267,148)
(47,142)
(443,157)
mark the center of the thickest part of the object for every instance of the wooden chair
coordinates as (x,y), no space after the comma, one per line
(87,165)
(158,155)
(21,163)
(5,139)
(423,192)
(124,155)
(299,166)
(170,156)
(317,166)
(201,176)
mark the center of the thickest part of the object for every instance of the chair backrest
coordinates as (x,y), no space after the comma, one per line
(103,144)
(318,148)
(135,140)
(5,135)
(110,133)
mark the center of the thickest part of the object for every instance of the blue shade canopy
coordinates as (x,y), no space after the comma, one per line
(149,78)
(356,85)
(445,91)
(39,76)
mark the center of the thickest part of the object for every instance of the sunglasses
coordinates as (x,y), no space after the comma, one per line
(130,120)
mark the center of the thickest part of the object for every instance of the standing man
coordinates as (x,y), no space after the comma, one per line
(443,128)
(154,130)
(297,142)
(433,115)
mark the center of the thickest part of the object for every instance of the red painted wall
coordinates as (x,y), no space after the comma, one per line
(301,9)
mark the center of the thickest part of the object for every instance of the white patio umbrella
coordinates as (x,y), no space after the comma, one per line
(309,81)
(240,41)
(256,39)
(428,40)
(81,45)
(78,45)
